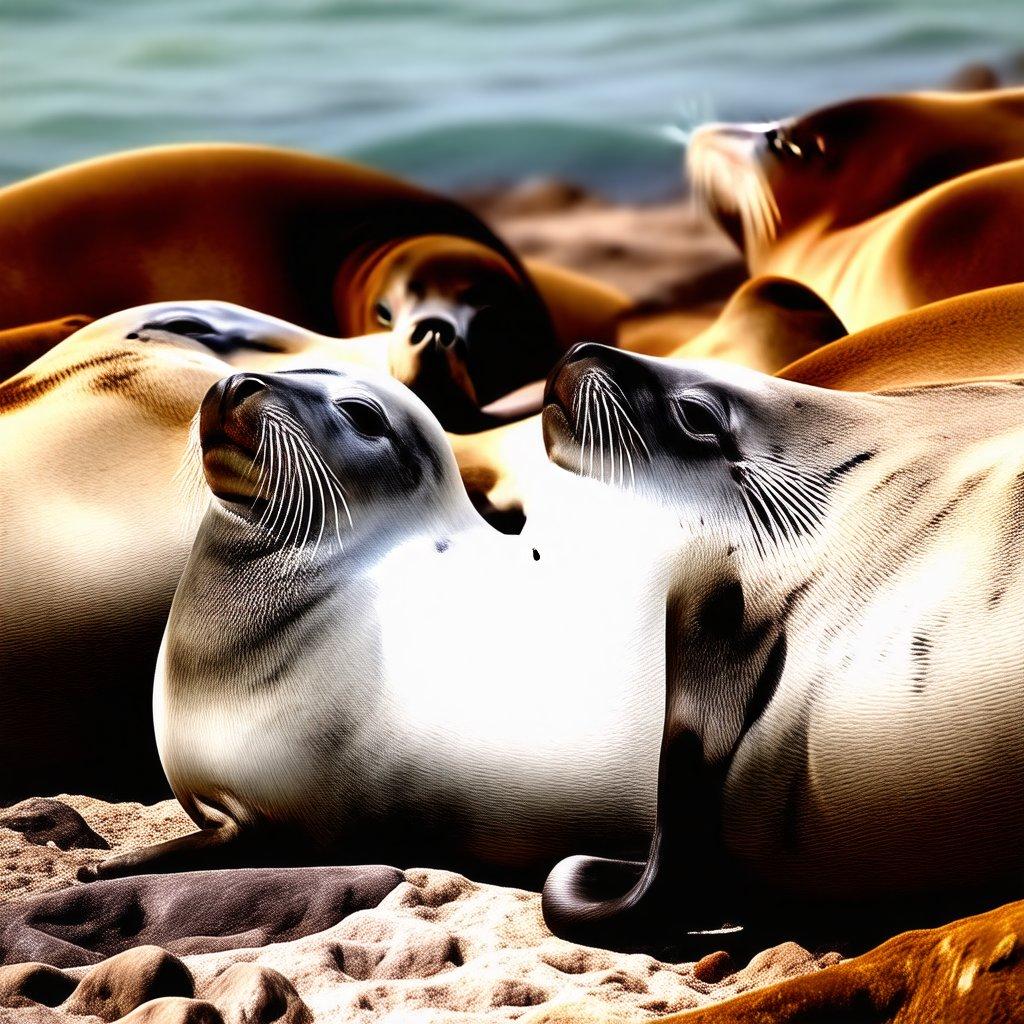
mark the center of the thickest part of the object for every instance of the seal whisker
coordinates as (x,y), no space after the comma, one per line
(611,439)
(633,429)
(626,445)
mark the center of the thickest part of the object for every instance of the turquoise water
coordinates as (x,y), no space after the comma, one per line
(460,94)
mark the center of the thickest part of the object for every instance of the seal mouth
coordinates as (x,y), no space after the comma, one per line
(229,431)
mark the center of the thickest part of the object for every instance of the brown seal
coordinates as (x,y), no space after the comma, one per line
(879,204)
(974,336)
(333,247)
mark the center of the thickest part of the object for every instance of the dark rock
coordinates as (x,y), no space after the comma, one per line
(713,967)
(42,820)
(972,77)
(188,912)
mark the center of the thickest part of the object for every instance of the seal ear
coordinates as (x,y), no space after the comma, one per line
(768,323)
(671,899)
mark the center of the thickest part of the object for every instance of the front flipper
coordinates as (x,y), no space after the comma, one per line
(671,900)
(225,842)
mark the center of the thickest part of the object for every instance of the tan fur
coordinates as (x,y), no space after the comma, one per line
(880,205)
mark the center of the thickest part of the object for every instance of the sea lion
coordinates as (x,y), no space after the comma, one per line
(768,323)
(978,335)
(844,690)
(97,527)
(879,205)
(356,666)
(336,248)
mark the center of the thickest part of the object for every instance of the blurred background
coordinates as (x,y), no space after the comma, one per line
(466,95)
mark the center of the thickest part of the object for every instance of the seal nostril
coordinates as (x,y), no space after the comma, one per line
(436,331)
(242,387)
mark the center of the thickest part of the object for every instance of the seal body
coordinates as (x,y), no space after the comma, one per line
(972,336)
(97,524)
(356,666)
(866,202)
(843,672)
(333,247)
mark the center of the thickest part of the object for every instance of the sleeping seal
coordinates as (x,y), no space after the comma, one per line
(336,248)
(97,524)
(357,667)
(880,204)
(845,648)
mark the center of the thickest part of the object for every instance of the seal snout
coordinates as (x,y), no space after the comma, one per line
(434,330)
(230,410)
(229,429)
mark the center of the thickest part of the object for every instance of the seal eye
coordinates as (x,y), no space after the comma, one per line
(783,144)
(701,417)
(186,326)
(383,313)
(364,416)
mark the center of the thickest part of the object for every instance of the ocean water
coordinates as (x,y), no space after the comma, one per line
(462,94)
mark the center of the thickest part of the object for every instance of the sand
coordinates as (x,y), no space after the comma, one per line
(437,948)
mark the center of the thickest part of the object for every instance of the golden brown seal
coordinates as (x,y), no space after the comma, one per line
(879,204)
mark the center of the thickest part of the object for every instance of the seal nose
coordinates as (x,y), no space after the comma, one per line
(240,387)
(563,376)
(433,330)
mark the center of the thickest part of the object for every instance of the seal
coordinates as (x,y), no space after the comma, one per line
(98,522)
(857,199)
(356,666)
(844,644)
(973,336)
(769,323)
(331,246)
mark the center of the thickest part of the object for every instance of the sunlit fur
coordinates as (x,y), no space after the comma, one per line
(399,682)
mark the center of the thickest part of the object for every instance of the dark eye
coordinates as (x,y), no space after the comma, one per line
(186,326)
(364,416)
(788,144)
(383,313)
(701,417)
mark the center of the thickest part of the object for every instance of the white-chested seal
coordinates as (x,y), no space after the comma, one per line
(844,691)
(336,248)
(879,204)
(96,531)
(356,666)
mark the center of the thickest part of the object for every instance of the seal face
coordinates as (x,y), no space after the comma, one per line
(847,576)
(466,324)
(847,162)
(855,200)
(336,248)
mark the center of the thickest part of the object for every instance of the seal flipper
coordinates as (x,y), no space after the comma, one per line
(674,899)
(669,901)
(225,843)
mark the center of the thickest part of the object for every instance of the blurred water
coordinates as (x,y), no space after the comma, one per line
(460,94)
